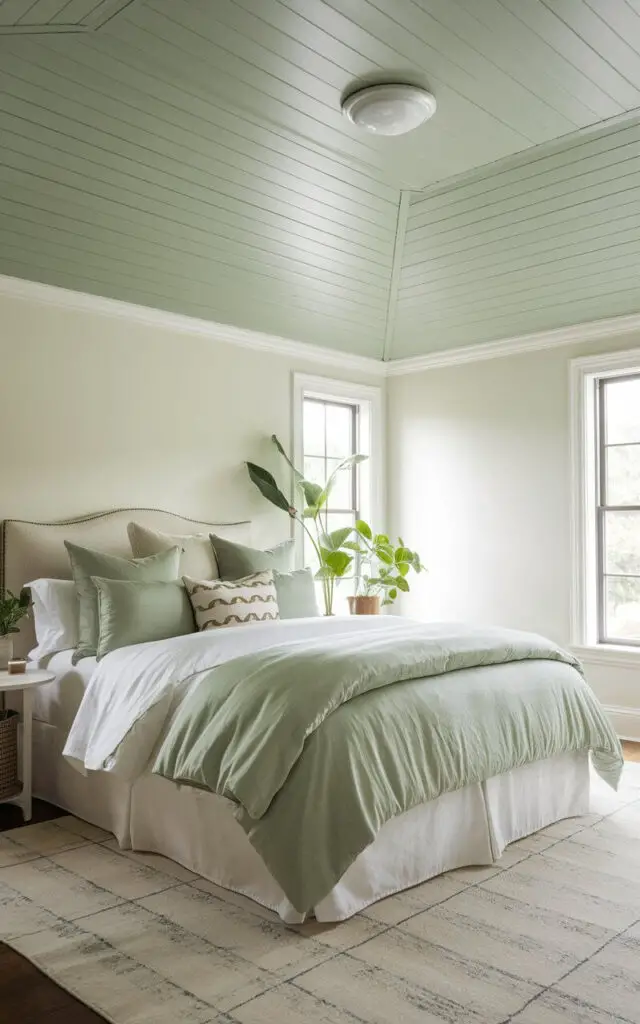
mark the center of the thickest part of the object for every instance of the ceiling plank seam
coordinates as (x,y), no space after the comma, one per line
(396,268)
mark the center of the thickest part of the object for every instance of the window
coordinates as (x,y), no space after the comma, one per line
(617,403)
(606,471)
(332,420)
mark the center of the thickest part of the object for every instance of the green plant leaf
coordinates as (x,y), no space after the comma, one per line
(324,573)
(385,556)
(393,593)
(312,493)
(310,513)
(266,484)
(338,561)
(336,538)
(380,538)
(364,529)
(296,472)
(403,568)
(402,584)
(353,545)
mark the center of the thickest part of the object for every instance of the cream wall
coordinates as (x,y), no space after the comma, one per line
(99,411)
(479,482)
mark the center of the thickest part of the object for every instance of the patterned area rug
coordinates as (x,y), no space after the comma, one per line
(548,935)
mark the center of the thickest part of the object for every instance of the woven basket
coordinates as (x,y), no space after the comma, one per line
(9,784)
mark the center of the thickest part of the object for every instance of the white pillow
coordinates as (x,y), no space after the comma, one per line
(197,557)
(55,615)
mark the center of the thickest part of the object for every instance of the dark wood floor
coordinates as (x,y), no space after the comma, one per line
(26,995)
(11,816)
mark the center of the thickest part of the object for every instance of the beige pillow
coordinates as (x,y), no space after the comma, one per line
(219,603)
(197,557)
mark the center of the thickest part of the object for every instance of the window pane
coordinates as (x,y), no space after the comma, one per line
(314,469)
(622,611)
(622,542)
(313,428)
(342,494)
(622,411)
(623,474)
(339,434)
(337,519)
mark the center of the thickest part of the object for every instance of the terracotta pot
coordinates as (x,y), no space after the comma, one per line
(364,605)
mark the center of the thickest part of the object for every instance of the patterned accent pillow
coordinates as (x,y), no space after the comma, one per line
(219,603)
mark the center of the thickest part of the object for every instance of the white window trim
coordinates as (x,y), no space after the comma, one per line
(584,632)
(328,389)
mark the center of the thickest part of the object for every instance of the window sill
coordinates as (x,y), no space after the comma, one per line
(614,655)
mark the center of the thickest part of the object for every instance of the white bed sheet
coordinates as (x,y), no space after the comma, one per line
(57,702)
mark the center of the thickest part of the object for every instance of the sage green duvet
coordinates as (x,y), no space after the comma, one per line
(319,743)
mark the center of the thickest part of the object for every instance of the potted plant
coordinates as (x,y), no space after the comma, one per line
(12,610)
(334,557)
(382,569)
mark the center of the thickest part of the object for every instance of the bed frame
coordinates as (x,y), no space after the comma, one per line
(32,550)
(198,829)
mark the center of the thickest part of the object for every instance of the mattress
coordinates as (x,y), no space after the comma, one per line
(57,702)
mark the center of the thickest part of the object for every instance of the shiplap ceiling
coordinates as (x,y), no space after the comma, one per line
(191,155)
(42,16)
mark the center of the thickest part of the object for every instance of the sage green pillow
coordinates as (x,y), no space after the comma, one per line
(85,563)
(296,592)
(235,561)
(131,612)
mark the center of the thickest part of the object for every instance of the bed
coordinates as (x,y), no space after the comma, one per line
(198,829)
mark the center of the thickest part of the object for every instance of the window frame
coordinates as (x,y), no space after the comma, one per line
(363,396)
(588,494)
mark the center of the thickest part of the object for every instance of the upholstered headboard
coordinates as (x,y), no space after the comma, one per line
(30,551)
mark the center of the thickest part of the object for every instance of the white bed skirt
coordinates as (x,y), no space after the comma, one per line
(198,829)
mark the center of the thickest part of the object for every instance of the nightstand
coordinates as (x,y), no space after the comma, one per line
(26,682)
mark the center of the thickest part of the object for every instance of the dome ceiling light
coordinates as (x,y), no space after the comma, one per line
(389,109)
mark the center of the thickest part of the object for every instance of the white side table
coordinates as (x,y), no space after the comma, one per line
(27,681)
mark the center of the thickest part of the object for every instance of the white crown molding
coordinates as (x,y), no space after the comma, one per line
(610,328)
(64,298)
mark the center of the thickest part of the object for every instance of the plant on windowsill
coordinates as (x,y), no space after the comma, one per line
(382,569)
(12,610)
(334,557)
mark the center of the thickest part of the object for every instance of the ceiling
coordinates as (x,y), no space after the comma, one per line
(191,155)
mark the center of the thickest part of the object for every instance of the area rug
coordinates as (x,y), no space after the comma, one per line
(550,934)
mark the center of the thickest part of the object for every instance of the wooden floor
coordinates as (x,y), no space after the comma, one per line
(26,995)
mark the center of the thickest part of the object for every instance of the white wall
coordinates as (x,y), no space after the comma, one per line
(98,412)
(479,483)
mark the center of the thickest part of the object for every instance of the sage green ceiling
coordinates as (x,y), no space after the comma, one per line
(191,154)
(545,240)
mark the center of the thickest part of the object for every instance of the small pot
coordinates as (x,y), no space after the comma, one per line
(364,605)
(6,651)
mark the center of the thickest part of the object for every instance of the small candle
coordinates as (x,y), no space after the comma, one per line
(17,666)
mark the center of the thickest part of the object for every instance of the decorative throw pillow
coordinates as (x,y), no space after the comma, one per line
(197,557)
(131,612)
(236,560)
(296,592)
(85,563)
(233,602)
(55,616)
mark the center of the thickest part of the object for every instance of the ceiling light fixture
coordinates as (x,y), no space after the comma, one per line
(389,109)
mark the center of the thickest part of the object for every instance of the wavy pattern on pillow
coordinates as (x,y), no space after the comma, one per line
(254,599)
